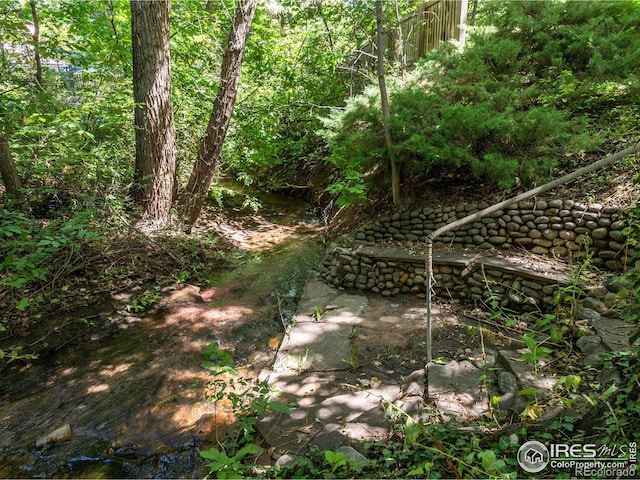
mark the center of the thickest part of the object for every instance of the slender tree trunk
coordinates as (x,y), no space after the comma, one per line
(474,11)
(9,174)
(208,156)
(36,43)
(386,115)
(400,50)
(110,15)
(155,167)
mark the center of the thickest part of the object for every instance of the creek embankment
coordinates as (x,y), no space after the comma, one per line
(133,390)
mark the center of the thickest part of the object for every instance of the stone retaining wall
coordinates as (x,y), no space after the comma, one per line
(562,228)
(459,277)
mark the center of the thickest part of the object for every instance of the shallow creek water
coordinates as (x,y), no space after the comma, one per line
(134,394)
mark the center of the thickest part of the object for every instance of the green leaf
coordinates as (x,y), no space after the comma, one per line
(250,449)
(212,353)
(504,443)
(335,459)
(279,407)
(543,351)
(419,471)
(23,304)
(529,341)
(528,391)
(411,431)
(569,382)
(212,454)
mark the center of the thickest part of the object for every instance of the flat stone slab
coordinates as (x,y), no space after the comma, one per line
(454,389)
(614,333)
(512,360)
(315,346)
(316,296)
(334,368)
(330,406)
(400,255)
(465,260)
(353,304)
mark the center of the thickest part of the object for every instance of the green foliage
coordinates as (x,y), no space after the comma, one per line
(143,302)
(524,93)
(290,73)
(632,312)
(431,449)
(15,354)
(248,401)
(336,460)
(617,404)
(229,467)
(85,147)
(535,350)
(437,450)
(217,361)
(350,189)
(74,133)
(28,254)
(28,248)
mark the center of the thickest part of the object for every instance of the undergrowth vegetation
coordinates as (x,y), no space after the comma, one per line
(538,84)
(594,401)
(593,405)
(53,266)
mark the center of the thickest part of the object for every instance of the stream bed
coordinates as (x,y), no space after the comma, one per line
(133,391)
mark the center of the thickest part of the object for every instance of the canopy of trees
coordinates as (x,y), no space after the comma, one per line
(536,81)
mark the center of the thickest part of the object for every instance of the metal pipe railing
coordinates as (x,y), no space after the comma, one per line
(430,280)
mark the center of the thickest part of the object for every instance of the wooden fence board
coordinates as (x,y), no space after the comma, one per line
(436,22)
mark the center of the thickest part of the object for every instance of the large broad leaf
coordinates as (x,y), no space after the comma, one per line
(212,454)
(279,407)
(251,449)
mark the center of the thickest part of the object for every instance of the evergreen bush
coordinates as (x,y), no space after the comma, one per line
(532,87)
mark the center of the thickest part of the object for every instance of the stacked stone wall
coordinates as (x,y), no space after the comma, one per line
(458,278)
(560,228)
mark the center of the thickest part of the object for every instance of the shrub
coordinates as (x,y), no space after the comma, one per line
(535,84)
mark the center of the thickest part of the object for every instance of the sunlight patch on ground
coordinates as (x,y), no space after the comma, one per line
(186,313)
(68,371)
(101,387)
(227,314)
(111,371)
(208,294)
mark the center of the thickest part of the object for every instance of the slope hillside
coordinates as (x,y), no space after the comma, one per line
(540,90)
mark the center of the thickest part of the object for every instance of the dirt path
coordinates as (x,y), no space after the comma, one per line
(133,390)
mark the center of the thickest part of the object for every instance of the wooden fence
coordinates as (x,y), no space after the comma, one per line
(436,22)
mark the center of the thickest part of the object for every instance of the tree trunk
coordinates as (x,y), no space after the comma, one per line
(208,156)
(474,11)
(155,167)
(400,49)
(9,174)
(36,43)
(384,99)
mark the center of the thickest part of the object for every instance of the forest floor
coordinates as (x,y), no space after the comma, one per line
(124,370)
